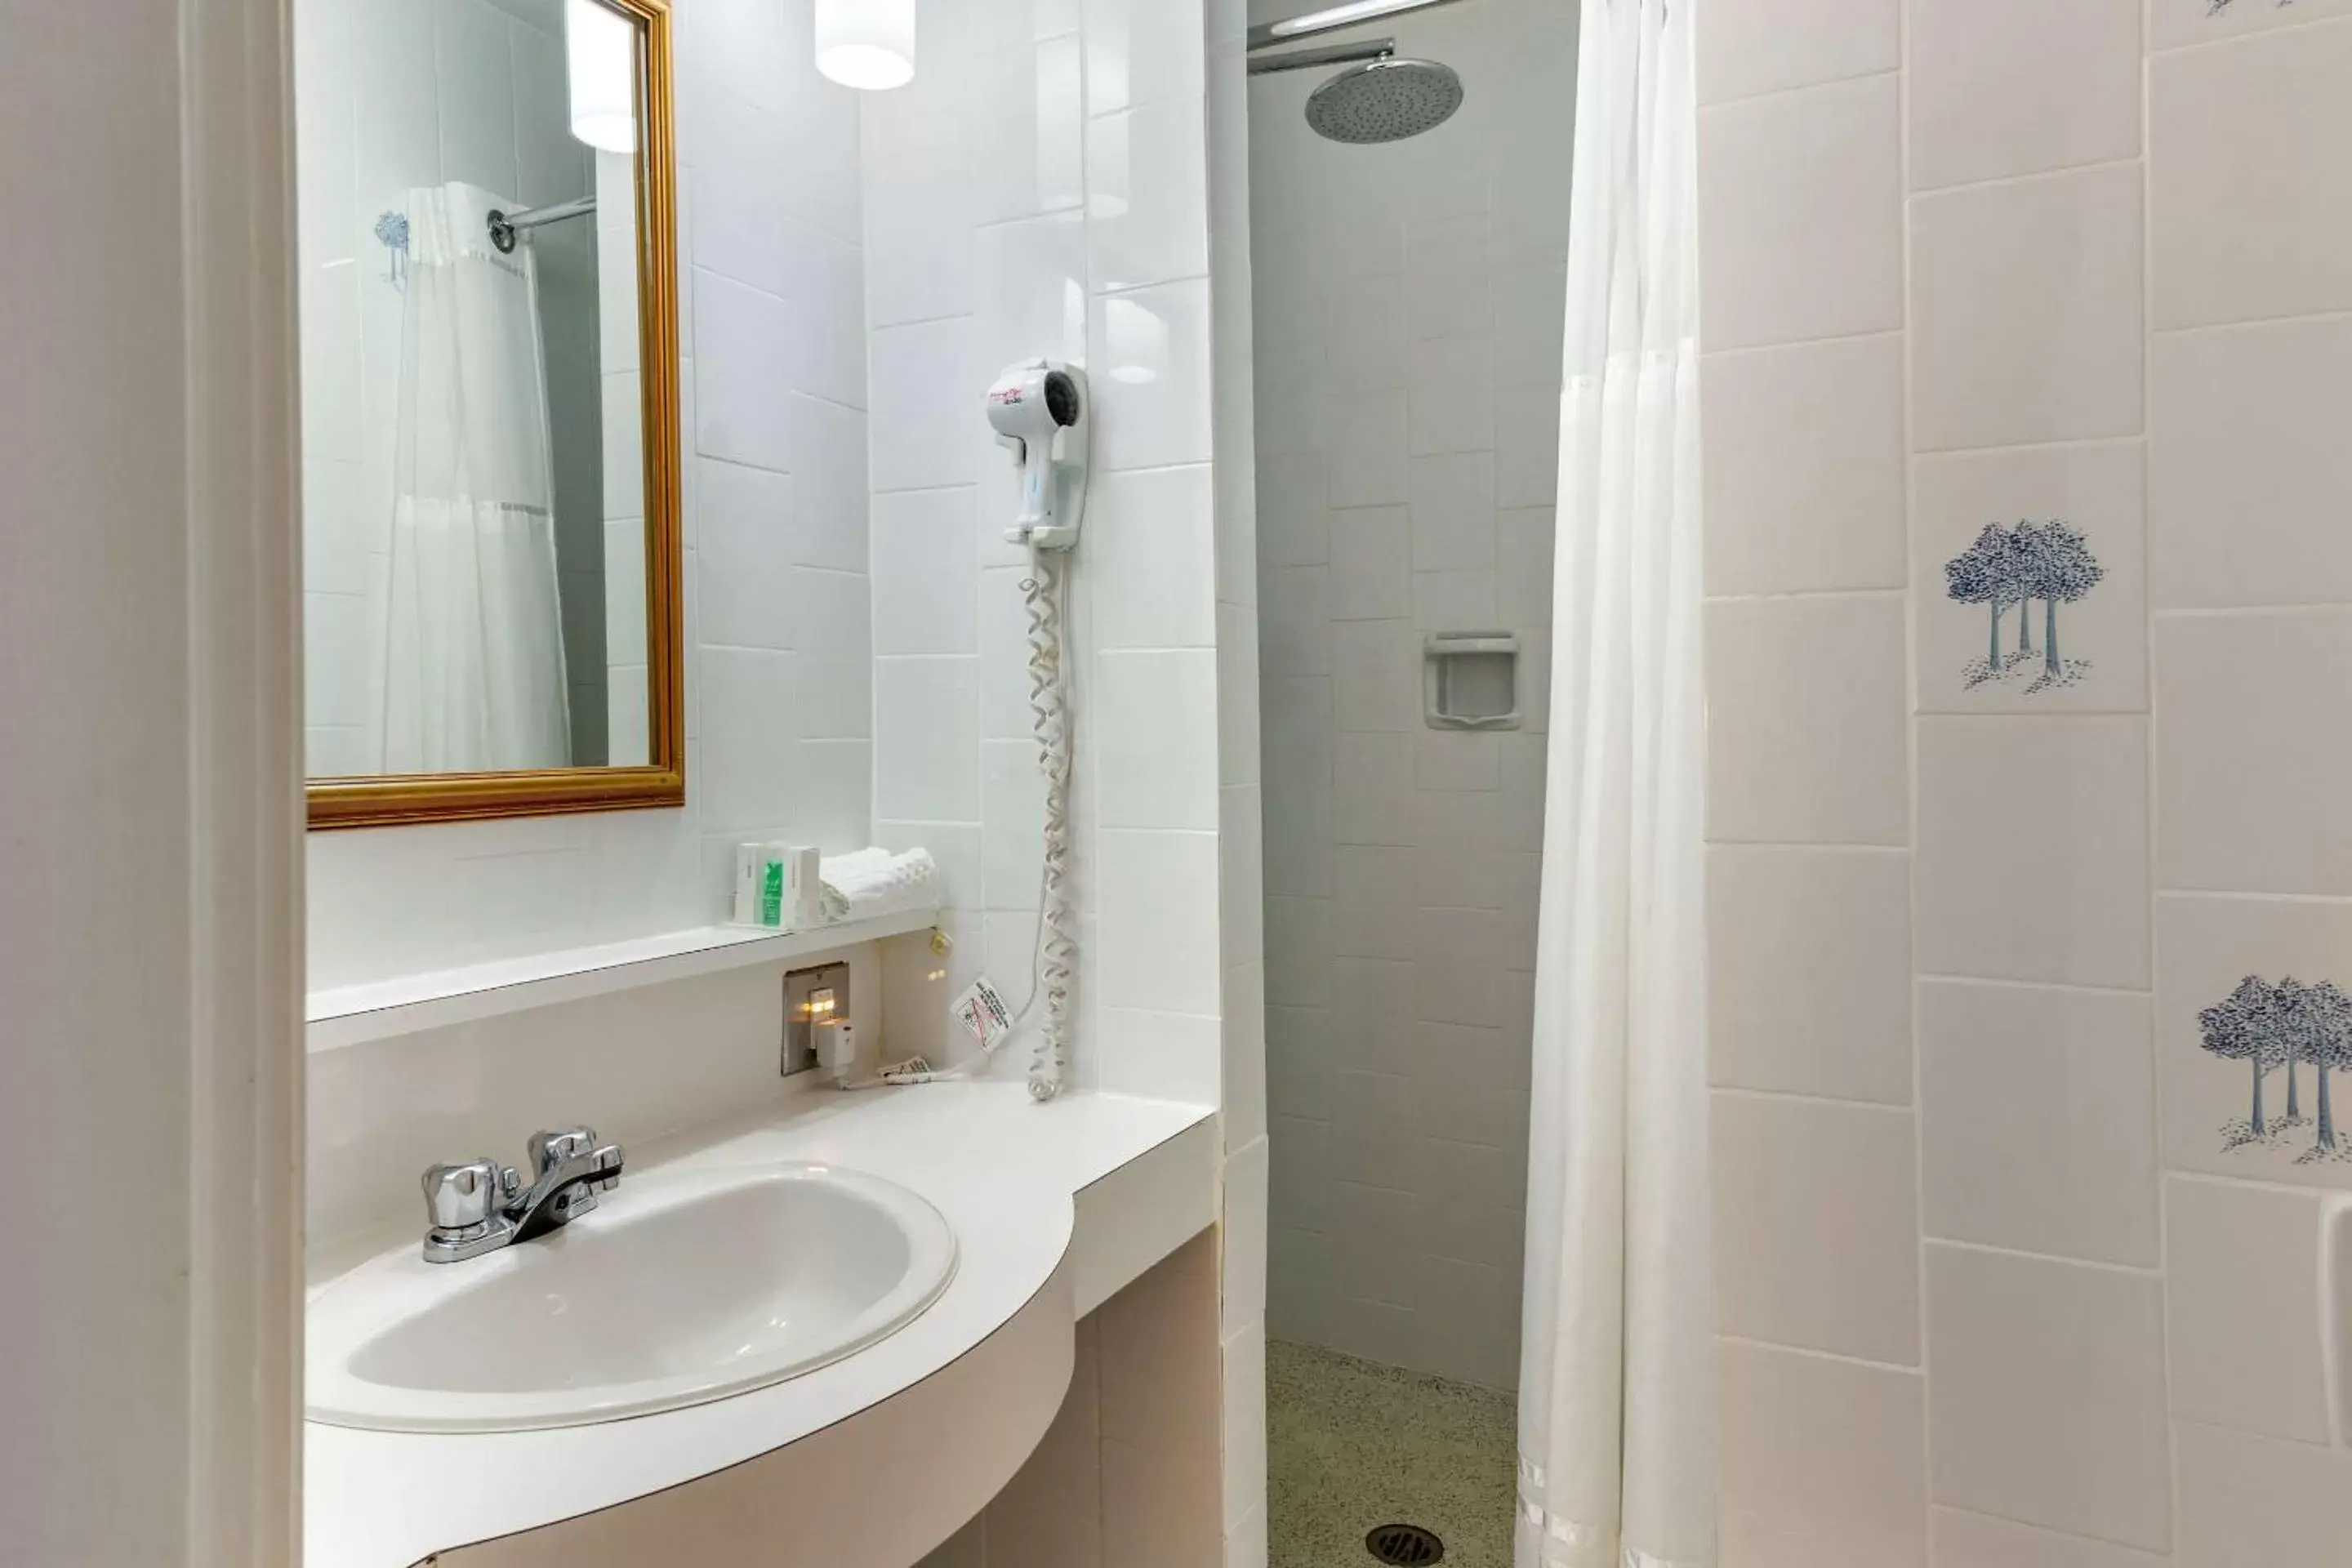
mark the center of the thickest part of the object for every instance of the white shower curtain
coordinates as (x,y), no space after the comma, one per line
(1616,1391)
(473,653)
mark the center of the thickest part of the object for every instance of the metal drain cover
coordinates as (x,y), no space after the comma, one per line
(1406,1545)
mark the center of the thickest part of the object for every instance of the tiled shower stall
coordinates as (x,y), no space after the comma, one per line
(1408,314)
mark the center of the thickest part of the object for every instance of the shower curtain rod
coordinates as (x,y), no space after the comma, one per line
(1331,19)
(504,226)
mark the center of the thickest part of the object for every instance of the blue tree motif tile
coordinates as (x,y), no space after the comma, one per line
(2255,1037)
(2029,581)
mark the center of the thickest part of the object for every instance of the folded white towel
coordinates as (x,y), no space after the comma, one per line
(869,884)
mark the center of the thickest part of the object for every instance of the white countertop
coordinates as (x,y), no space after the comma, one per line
(1007,1174)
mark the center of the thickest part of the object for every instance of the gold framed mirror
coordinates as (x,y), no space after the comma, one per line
(493,612)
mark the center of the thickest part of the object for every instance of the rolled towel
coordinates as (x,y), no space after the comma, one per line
(868,884)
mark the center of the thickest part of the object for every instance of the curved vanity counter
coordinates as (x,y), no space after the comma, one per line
(1054,1207)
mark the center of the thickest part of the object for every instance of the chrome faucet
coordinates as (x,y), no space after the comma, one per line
(481,1206)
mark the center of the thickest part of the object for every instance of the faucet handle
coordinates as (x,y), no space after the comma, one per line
(548,1150)
(463,1196)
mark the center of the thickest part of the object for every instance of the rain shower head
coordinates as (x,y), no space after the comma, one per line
(1379,98)
(1384,101)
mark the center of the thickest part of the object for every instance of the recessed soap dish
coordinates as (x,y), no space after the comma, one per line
(1470,680)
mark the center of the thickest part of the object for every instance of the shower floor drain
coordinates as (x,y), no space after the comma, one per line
(1404,1545)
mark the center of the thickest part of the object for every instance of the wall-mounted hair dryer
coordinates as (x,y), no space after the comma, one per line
(1040,409)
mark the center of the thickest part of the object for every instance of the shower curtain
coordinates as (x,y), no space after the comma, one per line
(473,674)
(1616,1399)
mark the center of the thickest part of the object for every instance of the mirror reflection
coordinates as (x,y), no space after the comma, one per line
(473,421)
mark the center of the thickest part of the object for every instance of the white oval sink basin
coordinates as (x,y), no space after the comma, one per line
(679,1288)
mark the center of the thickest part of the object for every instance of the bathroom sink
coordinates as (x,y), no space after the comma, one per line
(680,1288)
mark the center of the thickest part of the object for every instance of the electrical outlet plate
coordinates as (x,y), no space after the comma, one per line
(811,995)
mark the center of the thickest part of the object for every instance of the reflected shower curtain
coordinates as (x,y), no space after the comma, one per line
(1616,1391)
(473,673)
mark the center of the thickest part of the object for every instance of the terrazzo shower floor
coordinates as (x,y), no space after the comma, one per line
(1352,1446)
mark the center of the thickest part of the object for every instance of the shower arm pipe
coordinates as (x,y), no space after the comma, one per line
(505,225)
(1330,54)
(1330,19)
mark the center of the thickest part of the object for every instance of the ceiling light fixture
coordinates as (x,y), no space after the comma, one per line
(866,44)
(600,52)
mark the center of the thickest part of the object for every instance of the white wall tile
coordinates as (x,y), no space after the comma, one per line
(1161,1056)
(1449,278)
(2038,1119)
(1149,354)
(1454,512)
(1141,51)
(1375,676)
(1029,292)
(1450,396)
(1156,723)
(2206,946)
(2173,22)
(927,739)
(1804,459)
(2218,242)
(1755,46)
(2032,855)
(1976,1540)
(1524,565)
(926,572)
(918,241)
(829,487)
(741,336)
(1241,1082)
(2247,1500)
(2248,469)
(2009,87)
(1799,198)
(1012,822)
(1148,535)
(826,347)
(1809,972)
(1526,444)
(1372,564)
(1147,195)
(1530,320)
(2242,1307)
(2046,1394)
(748,696)
(1158,897)
(1245,1417)
(1293,513)
(2026,311)
(1369,449)
(2231,686)
(1821,1462)
(1239,749)
(1457,599)
(2102,637)
(738,179)
(1294,620)
(475,102)
(926,406)
(1026,128)
(1816,1226)
(1806,738)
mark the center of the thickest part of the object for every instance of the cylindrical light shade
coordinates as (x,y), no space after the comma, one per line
(601,48)
(866,44)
